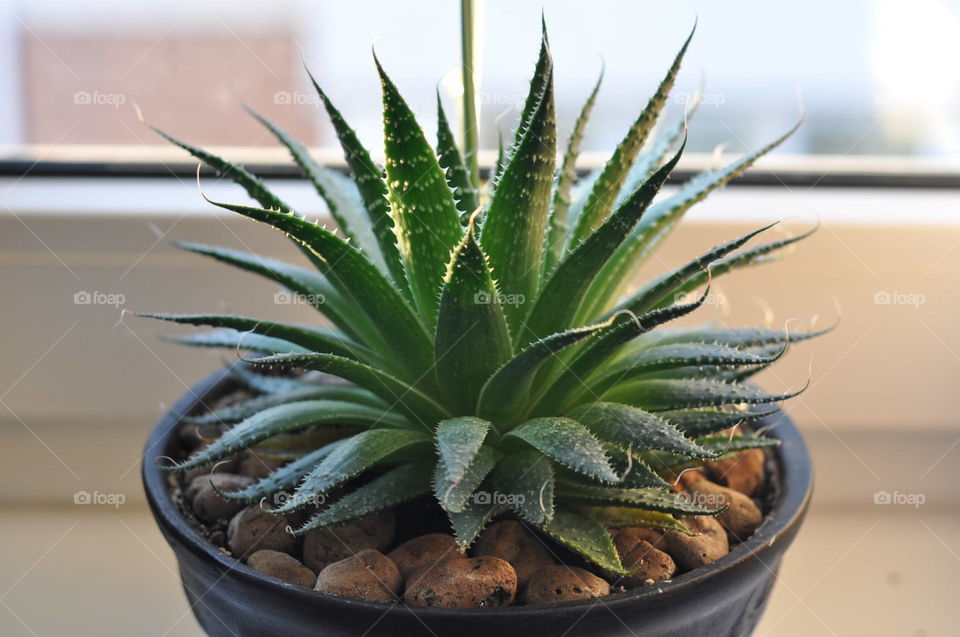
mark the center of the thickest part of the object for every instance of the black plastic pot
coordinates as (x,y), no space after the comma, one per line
(723,599)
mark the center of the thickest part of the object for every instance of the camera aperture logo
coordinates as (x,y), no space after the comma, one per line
(910,499)
(284,297)
(485,298)
(296,98)
(98,98)
(83,297)
(496,98)
(705,500)
(282,498)
(509,499)
(116,500)
(713,298)
(895,297)
(715,100)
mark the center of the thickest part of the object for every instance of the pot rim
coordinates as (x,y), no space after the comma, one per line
(794,491)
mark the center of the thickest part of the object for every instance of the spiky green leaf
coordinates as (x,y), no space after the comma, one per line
(525,479)
(313,288)
(310,338)
(652,156)
(656,225)
(468,524)
(695,356)
(423,410)
(283,478)
(754,256)
(542,74)
(458,441)
(427,223)
(570,387)
(472,338)
(732,444)
(458,177)
(557,303)
(353,456)
(454,495)
(239,175)
(396,486)
(560,205)
(507,392)
(248,181)
(700,422)
(240,341)
(740,337)
(357,279)
(668,287)
(501,161)
(266,383)
(631,427)
(619,517)
(585,536)
(603,196)
(719,445)
(634,472)
(368,178)
(287,418)
(569,443)
(244,409)
(663,395)
(341,195)
(646,499)
(515,223)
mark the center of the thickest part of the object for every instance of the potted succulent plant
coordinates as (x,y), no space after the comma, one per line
(495,434)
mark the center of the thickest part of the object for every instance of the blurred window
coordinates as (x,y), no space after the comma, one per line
(877,77)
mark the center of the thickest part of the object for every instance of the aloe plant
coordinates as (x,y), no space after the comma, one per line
(493,357)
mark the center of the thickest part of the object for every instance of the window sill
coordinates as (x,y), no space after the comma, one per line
(79,197)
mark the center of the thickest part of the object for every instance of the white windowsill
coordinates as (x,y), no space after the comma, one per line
(153,197)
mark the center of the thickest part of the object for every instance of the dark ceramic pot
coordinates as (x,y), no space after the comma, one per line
(723,599)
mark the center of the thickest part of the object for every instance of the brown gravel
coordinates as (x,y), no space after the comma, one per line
(283,567)
(330,544)
(369,575)
(210,506)
(559,583)
(424,552)
(708,544)
(511,541)
(254,529)
(744,472)
(477,582)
